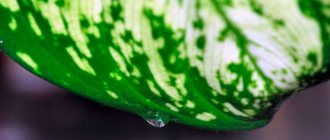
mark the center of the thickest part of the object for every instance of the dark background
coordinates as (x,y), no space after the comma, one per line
(32,109)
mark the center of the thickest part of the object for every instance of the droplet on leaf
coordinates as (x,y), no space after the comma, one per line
(157,119)
(156,123)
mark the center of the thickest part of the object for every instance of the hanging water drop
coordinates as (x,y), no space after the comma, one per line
(157,119)
(156,123)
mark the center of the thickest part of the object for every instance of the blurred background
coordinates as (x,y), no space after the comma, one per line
(32,109)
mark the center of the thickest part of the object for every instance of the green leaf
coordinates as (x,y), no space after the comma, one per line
(216,64)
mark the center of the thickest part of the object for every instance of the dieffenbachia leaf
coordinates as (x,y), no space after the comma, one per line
(217,64)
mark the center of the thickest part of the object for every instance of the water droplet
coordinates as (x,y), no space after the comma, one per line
(156,123)
(157,119)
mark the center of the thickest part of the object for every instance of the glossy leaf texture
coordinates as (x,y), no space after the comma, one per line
(216,64)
